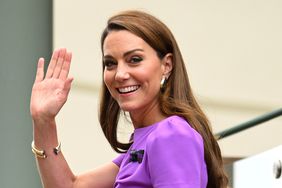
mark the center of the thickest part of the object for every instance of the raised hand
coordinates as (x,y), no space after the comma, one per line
(50,93)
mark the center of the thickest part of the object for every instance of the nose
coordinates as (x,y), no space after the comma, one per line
(122,72)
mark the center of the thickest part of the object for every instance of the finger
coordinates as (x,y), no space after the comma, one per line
(59,64)
(68,85)
(66,66)
(40,70)
(52,64)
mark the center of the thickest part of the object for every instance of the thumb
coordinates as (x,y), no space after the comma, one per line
(68,83)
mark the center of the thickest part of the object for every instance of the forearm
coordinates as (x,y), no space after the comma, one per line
(54,170)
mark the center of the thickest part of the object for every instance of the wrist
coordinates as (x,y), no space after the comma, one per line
(44,132)
(41,118)
(41,122)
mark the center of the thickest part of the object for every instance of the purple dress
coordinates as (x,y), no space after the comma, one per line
(166,154)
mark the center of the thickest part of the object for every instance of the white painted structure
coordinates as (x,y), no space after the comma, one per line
(259,170)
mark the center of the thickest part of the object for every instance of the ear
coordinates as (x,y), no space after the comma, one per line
(167,64)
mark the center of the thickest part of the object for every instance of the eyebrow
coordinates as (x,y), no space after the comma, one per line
(127,53)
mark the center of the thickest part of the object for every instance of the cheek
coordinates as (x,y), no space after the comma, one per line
(154,75)
(107,79)
(151,79)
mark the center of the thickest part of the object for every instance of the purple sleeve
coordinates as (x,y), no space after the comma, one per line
(176,158)
(118,159)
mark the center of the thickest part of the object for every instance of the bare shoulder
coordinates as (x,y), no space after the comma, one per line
(101,177)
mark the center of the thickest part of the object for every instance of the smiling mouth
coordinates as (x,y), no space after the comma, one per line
(128,89)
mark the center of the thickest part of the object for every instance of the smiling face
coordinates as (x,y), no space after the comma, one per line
(133,72)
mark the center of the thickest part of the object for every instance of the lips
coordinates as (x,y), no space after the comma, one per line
(128,89)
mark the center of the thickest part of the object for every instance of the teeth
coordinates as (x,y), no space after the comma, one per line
(128,89)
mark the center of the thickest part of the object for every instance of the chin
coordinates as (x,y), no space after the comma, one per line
(127,107)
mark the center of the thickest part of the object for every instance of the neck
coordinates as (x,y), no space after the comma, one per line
(147,117)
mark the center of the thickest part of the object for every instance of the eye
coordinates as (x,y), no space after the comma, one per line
(108,63)
(135,59)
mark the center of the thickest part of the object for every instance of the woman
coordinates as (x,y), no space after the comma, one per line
(144,75)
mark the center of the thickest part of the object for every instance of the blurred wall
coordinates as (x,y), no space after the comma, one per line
(233,55)
(25,34)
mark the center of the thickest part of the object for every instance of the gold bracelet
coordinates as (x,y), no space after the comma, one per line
(41,153)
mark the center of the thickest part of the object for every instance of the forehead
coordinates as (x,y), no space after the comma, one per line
(122,41)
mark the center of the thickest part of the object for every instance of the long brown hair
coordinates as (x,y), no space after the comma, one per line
(177,97)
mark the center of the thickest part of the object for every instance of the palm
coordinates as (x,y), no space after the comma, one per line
(50,93)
